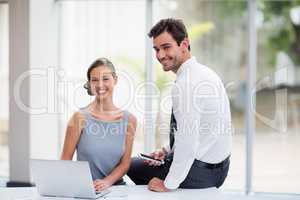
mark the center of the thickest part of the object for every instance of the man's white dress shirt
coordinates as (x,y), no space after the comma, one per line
(202,111)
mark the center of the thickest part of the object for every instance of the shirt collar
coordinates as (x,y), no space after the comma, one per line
(185,65)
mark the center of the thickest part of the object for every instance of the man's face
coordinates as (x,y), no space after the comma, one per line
(168,53)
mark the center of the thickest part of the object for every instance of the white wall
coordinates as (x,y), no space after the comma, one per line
(44,59)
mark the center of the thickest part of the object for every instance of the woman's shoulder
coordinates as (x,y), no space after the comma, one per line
(78,115)
(82,112)
(77,118)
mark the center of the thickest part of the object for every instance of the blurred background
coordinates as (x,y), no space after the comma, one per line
(218,31)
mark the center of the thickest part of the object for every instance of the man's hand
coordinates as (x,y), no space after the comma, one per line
(101,184)
(157,185)
(158,154)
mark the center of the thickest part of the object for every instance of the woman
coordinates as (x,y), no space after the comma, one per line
(101,133)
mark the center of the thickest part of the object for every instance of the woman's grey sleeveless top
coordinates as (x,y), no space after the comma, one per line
(102,143)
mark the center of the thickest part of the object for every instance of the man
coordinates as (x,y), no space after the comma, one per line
(200,121)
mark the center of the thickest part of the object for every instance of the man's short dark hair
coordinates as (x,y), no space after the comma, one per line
(174,27)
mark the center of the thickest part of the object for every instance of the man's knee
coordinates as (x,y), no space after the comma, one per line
(136,171)
(135,166)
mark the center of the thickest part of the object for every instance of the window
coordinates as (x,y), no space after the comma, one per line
(276,164)
(93,29)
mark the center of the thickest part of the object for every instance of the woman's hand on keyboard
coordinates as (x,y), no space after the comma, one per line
(101,184)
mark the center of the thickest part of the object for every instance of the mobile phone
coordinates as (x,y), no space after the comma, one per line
(147,157)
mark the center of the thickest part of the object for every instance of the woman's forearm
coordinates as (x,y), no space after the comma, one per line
(118,172)
(66,157)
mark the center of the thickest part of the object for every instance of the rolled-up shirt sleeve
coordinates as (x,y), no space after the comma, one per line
(184,156)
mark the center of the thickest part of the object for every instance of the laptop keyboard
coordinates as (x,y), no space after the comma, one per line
(102,193)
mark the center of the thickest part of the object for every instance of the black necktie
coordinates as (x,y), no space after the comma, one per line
(173,128)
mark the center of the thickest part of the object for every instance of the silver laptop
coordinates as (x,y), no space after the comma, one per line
(64,179)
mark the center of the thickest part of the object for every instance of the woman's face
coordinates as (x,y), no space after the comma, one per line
(102,82)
